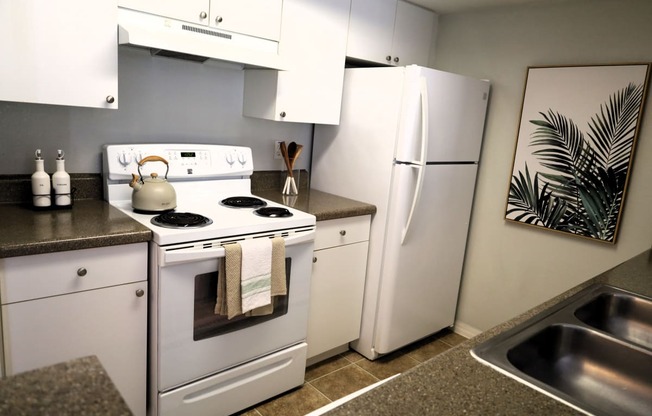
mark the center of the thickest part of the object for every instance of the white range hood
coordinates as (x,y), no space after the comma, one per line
(179,39)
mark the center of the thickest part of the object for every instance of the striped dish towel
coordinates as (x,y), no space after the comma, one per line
(256,273)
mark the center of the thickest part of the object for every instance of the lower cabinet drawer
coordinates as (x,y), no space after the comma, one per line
(236,389)
(42,275)
(342,231)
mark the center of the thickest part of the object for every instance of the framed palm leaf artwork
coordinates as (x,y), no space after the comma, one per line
(575,146)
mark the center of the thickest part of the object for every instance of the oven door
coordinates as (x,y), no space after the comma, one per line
(193,342)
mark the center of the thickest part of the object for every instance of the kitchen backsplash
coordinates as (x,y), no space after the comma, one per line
(17,188)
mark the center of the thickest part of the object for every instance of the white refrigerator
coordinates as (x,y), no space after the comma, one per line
(408,142)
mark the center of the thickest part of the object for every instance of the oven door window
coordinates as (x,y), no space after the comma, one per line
(207,324)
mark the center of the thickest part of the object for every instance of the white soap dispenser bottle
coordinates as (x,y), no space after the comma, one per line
(40,183)
(61,182)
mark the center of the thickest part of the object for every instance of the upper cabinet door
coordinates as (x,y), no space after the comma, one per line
(313,46)
(194,11)
(59,52)
(413,33)
(390,32)
(371,29)
(260,18)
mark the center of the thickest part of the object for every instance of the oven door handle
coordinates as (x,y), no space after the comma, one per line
(198,253)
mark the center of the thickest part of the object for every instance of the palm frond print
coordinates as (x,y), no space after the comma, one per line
(582,189)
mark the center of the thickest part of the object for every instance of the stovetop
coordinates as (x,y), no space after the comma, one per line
(202,176)
(227,221)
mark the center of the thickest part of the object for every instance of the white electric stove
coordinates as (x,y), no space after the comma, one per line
(202,363)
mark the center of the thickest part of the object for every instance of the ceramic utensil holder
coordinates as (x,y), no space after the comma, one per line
(290,183)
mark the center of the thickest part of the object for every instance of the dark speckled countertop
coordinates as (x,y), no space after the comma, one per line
(76,387)
(454,383)
(322,205)
(88,224)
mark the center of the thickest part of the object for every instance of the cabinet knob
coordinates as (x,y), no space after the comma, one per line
(81,272)
(110,99)
(218,19)
(140,293)
(314,259)
(282,114)
(388,58)
(342,233)
(203,15)
(396,59)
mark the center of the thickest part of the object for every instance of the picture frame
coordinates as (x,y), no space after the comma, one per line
(574,148)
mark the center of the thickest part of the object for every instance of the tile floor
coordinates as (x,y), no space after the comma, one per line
(348,372)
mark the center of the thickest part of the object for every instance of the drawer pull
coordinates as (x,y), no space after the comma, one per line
(314,259)
(140,293)
(342,233)
(81,272)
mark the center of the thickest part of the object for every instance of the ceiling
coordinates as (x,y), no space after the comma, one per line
(456,6)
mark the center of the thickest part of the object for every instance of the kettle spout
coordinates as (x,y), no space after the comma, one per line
(135,183)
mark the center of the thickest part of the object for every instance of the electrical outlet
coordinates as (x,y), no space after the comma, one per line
(277,150)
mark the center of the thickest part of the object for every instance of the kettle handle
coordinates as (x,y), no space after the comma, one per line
(153,159)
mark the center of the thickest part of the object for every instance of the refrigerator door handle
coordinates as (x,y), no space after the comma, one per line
(423,92)
(415,199)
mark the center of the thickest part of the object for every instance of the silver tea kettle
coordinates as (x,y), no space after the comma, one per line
(153,193)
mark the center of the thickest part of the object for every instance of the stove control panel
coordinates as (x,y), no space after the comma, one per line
(185,161)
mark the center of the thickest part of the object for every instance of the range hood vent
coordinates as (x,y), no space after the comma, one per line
(206,31)
(183,40)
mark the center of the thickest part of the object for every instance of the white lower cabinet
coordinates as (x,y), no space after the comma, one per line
(337,287)
(61,306)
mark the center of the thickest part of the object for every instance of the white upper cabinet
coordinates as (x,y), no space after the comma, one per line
(59,52)
(259,18)
(414,31)
(371,30)
(313,47)
(390,32)
(193,11)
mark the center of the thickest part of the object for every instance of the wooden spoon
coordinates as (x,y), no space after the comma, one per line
(286,158)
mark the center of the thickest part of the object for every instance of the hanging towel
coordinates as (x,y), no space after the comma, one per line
(229,300)
(279,283)
(256,273)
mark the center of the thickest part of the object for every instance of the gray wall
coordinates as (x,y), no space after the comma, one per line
(160,100)
(510,267)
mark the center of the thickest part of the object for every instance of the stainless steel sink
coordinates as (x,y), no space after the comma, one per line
(620,314)
(592,351)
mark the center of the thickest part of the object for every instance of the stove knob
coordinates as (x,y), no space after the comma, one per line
(242,159)
(229,159)
(125,158)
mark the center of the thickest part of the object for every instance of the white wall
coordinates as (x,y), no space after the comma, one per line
(511,267)
(161,100)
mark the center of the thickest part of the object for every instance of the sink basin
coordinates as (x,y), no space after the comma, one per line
(585,365)
(591,351)
(623,315)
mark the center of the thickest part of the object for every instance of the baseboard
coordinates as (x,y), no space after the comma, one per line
(465,330)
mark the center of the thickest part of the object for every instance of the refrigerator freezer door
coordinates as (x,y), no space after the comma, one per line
(456,115)
(421,277)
